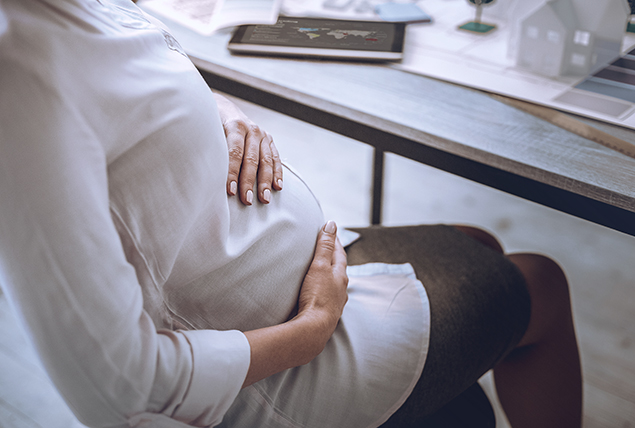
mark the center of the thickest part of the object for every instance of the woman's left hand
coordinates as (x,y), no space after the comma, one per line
(253,156)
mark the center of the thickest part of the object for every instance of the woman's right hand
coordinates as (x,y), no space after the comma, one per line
(323,293)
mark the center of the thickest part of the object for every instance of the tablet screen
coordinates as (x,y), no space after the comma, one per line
(301,35)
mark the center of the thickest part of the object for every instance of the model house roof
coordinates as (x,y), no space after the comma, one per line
(603,17)
(565,11)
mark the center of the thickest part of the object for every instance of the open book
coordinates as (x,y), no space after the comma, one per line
(208,16)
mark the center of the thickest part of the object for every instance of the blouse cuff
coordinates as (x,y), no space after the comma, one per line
(220,363)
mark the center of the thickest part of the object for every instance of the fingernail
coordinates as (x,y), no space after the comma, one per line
(233,187)
(266,195)
(280,183)
(330,227)
(249,196)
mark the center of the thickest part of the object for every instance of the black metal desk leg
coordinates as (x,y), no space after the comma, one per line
(378,183)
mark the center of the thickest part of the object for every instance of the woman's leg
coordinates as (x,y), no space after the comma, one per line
(479,308)
(539,384)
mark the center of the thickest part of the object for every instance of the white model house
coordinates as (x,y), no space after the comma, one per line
(571,37)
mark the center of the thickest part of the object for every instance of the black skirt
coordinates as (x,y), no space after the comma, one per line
(479,306)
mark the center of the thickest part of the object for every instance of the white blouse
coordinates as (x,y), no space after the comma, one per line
(131,269)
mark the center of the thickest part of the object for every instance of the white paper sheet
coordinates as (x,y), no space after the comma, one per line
(209,16)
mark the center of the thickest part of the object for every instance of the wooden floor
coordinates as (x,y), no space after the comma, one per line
(600,265)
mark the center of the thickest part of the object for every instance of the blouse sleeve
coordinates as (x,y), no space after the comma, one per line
(64,271)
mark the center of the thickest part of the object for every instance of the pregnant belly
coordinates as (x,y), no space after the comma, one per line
(266,257)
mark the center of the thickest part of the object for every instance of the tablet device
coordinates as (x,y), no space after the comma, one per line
(322,37)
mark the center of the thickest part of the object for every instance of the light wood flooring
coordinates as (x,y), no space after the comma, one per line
(600,264)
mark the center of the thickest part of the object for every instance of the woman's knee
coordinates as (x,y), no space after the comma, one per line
(549,292)
(481,236)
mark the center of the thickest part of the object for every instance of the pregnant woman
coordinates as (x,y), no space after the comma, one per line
(171,272)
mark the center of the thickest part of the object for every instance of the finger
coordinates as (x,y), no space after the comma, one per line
(249,167)
(265,170)
(277,166)
(235,146)
(326,244)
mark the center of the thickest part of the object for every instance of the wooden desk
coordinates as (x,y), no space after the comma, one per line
(457,129)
